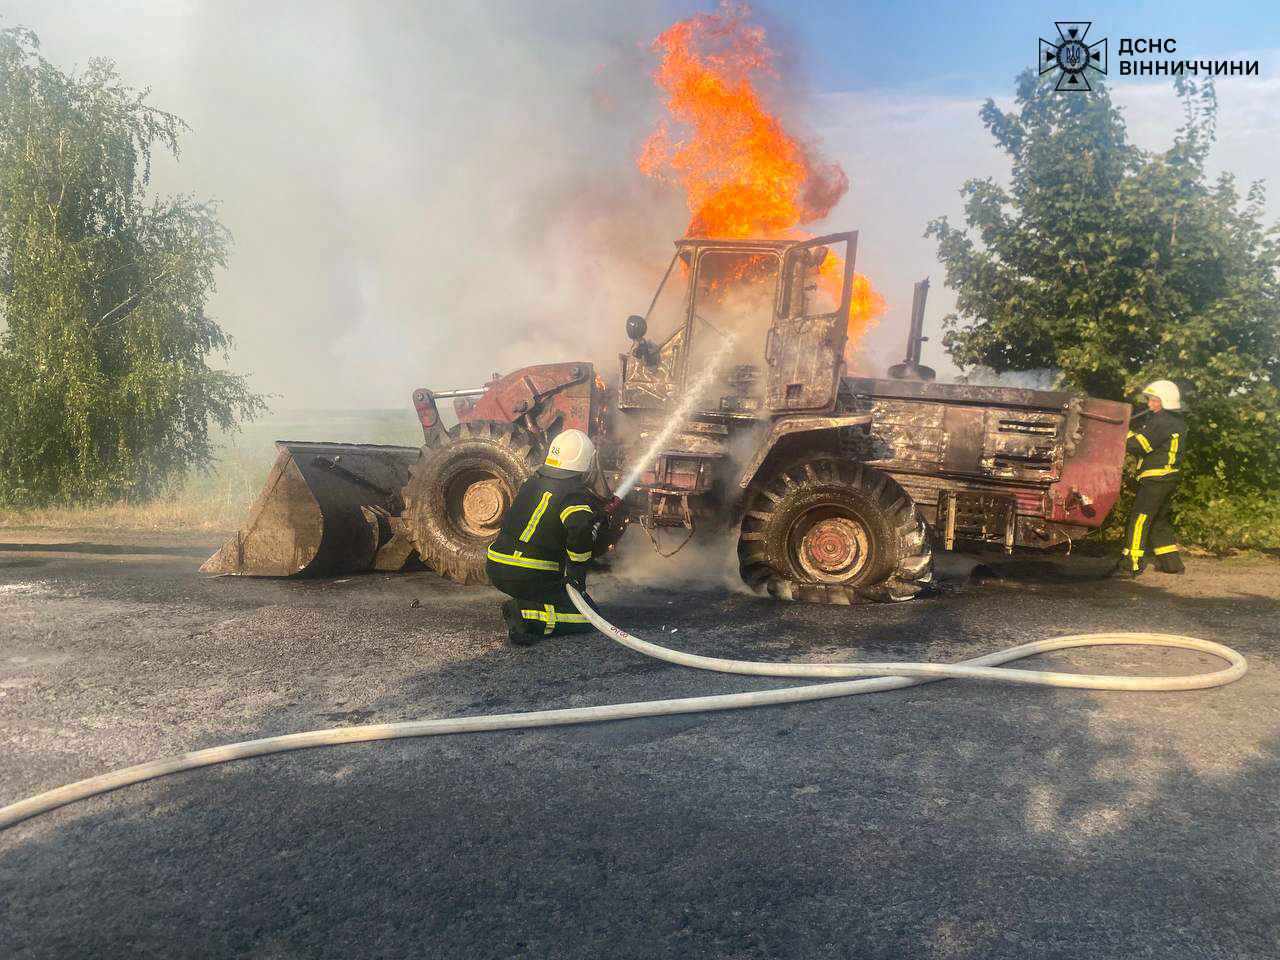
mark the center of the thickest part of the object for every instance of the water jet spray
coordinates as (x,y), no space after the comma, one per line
(679,416)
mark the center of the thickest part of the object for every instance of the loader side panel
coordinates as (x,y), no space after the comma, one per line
(1054,459)
(964,438)
(1022,445)
(1009,436)
(908,434)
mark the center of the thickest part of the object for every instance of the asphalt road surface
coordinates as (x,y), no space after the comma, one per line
(954,820)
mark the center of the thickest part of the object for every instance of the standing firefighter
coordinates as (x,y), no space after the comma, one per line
(545,542)
(1161,446)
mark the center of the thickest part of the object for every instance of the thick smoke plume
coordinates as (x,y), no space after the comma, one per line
(420,194)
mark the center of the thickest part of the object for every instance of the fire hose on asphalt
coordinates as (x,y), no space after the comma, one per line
(881,676)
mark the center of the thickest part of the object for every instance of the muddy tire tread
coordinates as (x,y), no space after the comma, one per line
(910,573)
(512,451)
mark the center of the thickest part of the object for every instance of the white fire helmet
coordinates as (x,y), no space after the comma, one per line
(572,451)
(1166,391)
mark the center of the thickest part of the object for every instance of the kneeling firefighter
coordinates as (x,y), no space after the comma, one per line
(1161,446)
(546,540)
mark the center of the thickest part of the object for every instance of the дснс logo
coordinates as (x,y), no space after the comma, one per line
(1072,56)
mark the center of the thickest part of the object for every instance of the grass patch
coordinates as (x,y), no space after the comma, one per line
(219,499)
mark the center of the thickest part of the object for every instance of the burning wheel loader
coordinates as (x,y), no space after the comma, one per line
(740,418)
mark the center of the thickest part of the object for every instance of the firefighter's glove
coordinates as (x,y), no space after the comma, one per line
(575,575)
(600,519)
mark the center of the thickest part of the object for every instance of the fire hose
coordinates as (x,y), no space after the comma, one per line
(881,676)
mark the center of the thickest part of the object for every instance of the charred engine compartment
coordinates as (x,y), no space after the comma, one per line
(994,465)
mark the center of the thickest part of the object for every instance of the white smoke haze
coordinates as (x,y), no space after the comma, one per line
(424,194)
(710,562)
(421,194)
(694,396)
(1047,378)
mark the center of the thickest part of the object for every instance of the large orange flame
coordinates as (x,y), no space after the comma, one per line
(743,174)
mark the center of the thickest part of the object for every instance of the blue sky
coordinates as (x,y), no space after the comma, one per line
(976,48)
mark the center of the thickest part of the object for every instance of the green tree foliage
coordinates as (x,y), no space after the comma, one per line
(1119,266)
(104,387)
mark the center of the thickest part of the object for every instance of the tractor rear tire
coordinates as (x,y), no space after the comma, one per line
(827,530)
(458,491)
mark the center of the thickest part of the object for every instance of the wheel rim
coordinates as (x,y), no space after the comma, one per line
(475,500)
(830,545)
(483,503)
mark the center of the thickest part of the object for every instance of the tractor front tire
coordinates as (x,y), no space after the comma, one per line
(827,530)
(458,491)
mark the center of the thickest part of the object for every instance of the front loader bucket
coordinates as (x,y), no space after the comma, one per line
(322,510)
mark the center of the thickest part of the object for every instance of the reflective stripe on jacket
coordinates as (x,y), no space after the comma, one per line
(548,525)
(1160,444)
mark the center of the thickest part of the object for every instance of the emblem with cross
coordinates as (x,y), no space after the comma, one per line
(1073,56)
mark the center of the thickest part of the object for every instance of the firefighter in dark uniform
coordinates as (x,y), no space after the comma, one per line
(1161,446)
(546,541)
